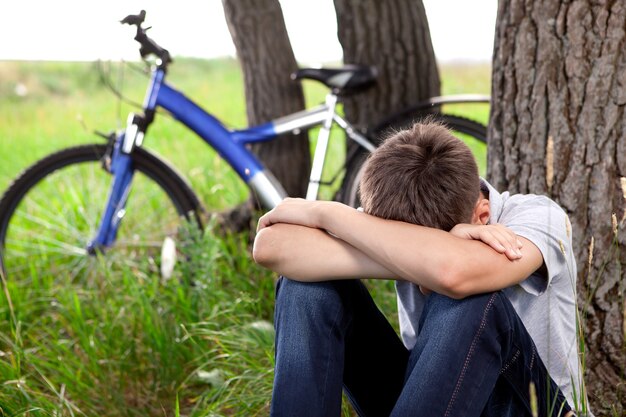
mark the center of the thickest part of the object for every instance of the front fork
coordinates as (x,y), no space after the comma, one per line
(121,168)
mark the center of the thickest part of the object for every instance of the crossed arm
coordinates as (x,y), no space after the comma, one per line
(314,241)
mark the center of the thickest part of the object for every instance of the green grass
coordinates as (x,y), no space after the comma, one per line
(57,112)
(64,102)
(128,344)
(125,342)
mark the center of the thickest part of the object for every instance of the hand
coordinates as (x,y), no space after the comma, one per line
(295,211)
(500,238)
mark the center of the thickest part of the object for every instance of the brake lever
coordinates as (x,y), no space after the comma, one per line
(107,158)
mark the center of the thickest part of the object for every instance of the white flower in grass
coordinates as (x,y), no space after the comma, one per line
(168,257)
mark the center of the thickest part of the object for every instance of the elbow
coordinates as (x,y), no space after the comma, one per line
(453,282)
(264,251)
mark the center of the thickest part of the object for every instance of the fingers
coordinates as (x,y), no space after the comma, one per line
(504,241)
(264,222)
(290,210)
(498,237)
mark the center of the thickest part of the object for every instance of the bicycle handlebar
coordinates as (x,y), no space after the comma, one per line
(148,46)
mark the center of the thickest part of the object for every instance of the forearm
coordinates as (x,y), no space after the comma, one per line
(417,254)
(432,258)
(367,246)
(309,254)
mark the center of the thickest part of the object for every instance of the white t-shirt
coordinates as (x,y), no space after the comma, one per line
(547,307)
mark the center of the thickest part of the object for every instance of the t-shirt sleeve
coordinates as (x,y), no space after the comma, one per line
(546,225)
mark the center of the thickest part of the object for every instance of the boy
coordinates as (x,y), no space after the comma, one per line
(465,259)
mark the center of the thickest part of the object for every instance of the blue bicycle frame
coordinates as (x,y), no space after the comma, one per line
(231,146)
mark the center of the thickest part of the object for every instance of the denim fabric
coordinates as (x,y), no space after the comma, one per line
(473,357)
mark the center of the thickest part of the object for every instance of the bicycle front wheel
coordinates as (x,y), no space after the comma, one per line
(52,211)
(472,133)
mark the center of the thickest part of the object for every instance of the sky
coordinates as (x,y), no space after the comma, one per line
(86,30)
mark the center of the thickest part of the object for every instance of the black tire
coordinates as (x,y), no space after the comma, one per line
(349,193)
(49,212)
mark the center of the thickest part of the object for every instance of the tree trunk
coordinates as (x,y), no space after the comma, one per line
(558,127)
(393,36)
(260,37)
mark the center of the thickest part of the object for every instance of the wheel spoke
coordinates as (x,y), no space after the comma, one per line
(69,230)
(59,215)
(57,247)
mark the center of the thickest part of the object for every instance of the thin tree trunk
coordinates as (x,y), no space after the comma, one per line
(558,127)
(393,36)
(258,31)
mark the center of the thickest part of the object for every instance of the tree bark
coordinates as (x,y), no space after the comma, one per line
(558,127)
(393,36)
(260,37)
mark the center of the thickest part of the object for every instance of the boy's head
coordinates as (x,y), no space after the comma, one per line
(423,175)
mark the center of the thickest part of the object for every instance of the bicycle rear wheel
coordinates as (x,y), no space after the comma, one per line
(472,133)
(51,212)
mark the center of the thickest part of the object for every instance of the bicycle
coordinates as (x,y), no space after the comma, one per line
(55,215)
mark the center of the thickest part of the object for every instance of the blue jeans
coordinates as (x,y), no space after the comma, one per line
(473,357)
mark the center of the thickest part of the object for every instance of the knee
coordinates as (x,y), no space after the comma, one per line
(474,310)
(311,300)
(438,301)
(451,322)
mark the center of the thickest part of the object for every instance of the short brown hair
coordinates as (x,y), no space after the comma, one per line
(423,175)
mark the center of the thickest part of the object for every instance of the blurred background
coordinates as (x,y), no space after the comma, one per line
(88,30)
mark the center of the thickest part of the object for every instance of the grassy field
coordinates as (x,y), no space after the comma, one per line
(47,106)
(127,343)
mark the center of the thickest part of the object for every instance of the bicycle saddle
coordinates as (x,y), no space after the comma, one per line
(346,80)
